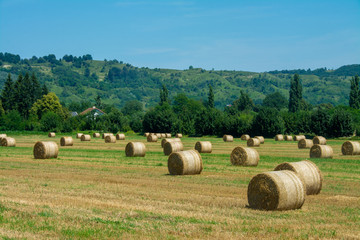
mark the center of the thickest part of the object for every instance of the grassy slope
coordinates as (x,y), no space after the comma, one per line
(92,190)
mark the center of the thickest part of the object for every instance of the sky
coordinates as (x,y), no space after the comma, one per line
(248,35)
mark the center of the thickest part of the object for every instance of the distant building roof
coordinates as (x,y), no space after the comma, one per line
(98,111)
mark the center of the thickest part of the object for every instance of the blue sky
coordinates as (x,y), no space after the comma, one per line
(229,35)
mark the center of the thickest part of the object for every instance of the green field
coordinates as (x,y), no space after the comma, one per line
(93,191)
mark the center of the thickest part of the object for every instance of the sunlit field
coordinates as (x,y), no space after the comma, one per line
(92,190)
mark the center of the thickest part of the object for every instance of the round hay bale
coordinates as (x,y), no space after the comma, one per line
(146,134)
(319,140)
(245,137)
(203,147)
(185,163)
(253,142)
(279,137)
(120,136)
(299,137)
(308,172)
(350,148)
(305,143)
(165,140)
(179,135)
(158,135)
(228,138)
(78,135)
(110,139)
(8,142)
(43,150)
(152,138)
(51,134)
(3,135)
(276,190)
(66,141)
(243,156)
(168,135)
(261,138)
(85,137)
(135,149)
(163,135)
(321,151)
(106,134)
(288,138)
(171,147)
(96,135)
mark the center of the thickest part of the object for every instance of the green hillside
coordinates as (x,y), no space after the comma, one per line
(81,78)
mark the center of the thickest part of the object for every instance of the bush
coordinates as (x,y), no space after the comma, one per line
(341,124)
(13,121)
(159,119)
(51,121)
(268,123)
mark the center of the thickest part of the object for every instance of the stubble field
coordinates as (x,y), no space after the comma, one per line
(93,191)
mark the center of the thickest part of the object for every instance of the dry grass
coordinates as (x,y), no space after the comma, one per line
(93,191)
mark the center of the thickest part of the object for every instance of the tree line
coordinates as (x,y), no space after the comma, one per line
(26,105)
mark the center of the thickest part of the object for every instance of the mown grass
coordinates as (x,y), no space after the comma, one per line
(93,191)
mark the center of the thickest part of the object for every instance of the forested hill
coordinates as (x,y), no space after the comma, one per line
(82,78)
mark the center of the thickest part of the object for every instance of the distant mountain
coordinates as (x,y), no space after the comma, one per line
(82,78)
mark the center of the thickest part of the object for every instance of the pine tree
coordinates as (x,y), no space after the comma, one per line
(7,95)
(35,89)
(354,98)
(211,98)
(23,95)
(295,94)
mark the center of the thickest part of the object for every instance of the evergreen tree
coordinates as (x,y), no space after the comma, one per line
(244,102)
(98,103)
(7,95)
(2,111)
(164,95)
(35,88)
(211,98)
(23,95)
(44,90)
(295,94)
(354,99)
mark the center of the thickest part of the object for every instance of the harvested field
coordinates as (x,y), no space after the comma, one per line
(92,190)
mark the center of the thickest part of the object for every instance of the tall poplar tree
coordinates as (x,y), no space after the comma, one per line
(7,94)
(295,94)
(354,98)
(164,94)
(211,98)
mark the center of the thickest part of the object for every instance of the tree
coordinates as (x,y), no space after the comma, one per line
(87,72)
(132,107)
(159,119)
(2,111)
(211,98)
(48,103)
(320,120)
(341,124)
(295,93)
(275,100)
(244,102)
(23,95)
(98,103)
(7,94)
(354,98)
(267,123)
(44,90)
(35,89)
(164,95)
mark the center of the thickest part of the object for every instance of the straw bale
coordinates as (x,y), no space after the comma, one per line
(158,135)
(171,147)
(110,139)
(106,134)
(2,135)
(43,150)
(179,135)
(305,143)
(85,137)
(321,151)
(185,163)
(319,140)
(288,138)
(168,135)
(135,149)
(203,147)
(299,137)
(261,138)
(165,140)
(350,148)
(308,172)
(253,142)
(146,134)
(96,135)
(279,137)
(51,134)
(276,190)
(120,136)
(7,142)
(66,141)
(245,137)
(163,135)
(243,156)
(78,135)
(228,138)
(152,138)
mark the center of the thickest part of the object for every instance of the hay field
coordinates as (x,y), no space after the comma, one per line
(93,191)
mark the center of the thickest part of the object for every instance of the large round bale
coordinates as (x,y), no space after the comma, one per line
(261,138)
(288,138)
(165,140)
(163,135)
(51,134)
(350,148)
(120,136)
(203,147)
(96,135)
(43,150)
(158,135)
(305,143)
(110,139)
(308,172)
(319,140)
(276,190)
(135,149)
(146,134)
(171,147)
(2,135)
(85,138)
(185,163)
(7,142)
(66,141)
(78,135)
(253,142)
(106,134)
(179,135)
(245,137)
(279,137)
(228,138)
(152,138)
(321,151)
(243,156)
(168,135)
(299,137)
